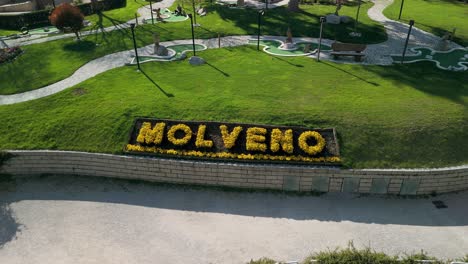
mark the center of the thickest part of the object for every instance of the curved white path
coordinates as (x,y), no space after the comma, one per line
(375,53)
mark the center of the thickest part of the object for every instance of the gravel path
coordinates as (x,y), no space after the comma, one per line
(376,54)
(65,219)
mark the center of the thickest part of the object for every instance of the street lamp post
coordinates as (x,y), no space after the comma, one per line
(151,11)
(401,9)
(132,27)
(357,16)
(193,34)
(260,14)
(194,12)
(411,23)
(322,19)
(266,4)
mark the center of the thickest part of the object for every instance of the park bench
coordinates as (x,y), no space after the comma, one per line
(348,49)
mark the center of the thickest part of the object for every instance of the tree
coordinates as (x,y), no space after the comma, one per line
(293,5)
(66,16)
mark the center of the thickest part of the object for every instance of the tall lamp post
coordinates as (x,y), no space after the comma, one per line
(260,14)
(266,4)
(357,16)
(132,27)
(193,34)
(411,23)
(322,19)
(401,9)
(151,11)
(194,12)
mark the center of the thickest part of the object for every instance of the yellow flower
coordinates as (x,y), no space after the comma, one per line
(255,139)
(179,141)
(311,150)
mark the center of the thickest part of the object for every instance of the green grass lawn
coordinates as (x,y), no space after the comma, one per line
(116,16)
(435,16)
(46,63)
(399,116)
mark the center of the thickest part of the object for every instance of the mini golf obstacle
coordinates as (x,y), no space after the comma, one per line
(452,60)
(167,16)
(273,47)
(175,52)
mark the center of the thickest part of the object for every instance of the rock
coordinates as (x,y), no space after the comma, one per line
(195,60)
(345,19)
(333,19)
(160,50)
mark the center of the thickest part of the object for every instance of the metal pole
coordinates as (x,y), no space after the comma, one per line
(194,12)
(132,27)
(151,11)
(136,19)
(266,4)
(357,16)
(322,19)
(401,9)
(411,23)
(193,34)
(258,31)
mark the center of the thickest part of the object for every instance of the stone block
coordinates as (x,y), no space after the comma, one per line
(291,183)
(320,183)
(379,185)
(350,185)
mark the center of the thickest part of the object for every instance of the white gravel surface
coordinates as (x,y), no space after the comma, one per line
(63,219)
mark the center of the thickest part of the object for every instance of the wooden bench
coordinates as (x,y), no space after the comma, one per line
(348,49)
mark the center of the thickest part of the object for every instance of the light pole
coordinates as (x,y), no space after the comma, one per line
(357,16)
(266,4)
(193,34)
(411,23)
(194,12)
(151,11)
(401,9)
(322,19)
(260,14)
(132,27)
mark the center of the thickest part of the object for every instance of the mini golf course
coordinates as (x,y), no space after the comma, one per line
(273,47)
(453,60)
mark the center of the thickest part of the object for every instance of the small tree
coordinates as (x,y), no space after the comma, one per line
(66,16)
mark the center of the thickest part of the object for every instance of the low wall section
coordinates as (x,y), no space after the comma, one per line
(278,177)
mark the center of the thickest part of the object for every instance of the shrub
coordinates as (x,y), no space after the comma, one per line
(66,16)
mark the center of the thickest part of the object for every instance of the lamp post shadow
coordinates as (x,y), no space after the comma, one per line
(157,85)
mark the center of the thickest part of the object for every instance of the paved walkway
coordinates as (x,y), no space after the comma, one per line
(376,54)
(64,219)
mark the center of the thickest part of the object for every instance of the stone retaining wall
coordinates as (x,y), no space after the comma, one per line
(278,177)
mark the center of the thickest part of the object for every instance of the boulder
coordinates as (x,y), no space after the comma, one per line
(195,60)
(345,19)
(332,19)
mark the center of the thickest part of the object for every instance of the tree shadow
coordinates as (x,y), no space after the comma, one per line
(426,77)
(9,227)
(328,207)
(80,46)
(169,95)
(303,24)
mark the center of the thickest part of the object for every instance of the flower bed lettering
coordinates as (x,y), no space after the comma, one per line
(233,141)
